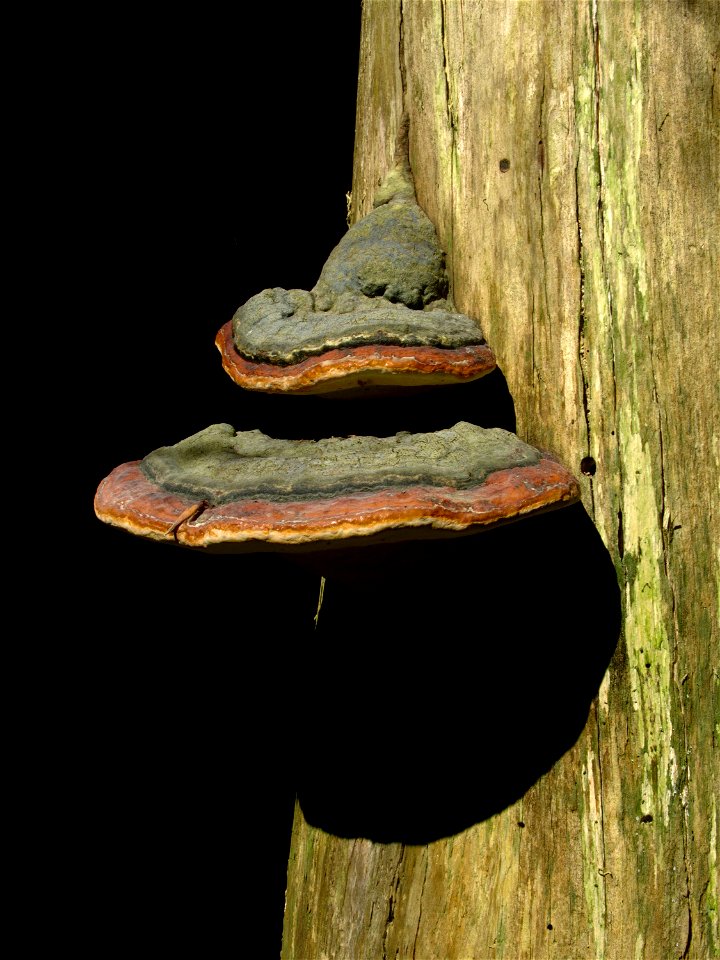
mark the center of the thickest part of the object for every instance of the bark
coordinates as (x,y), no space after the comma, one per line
(568,155)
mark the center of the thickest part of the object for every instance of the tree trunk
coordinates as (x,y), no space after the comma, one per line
(568,155)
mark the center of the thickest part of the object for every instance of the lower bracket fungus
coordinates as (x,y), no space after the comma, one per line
(244,491)
(379,317)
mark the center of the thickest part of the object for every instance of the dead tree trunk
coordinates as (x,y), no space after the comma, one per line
(568,154)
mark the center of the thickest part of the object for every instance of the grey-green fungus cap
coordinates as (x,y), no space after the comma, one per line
(380,313)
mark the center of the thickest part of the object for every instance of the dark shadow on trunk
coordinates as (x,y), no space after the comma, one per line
(446,678)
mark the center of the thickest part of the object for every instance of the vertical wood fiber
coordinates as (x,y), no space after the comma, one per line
(591,264)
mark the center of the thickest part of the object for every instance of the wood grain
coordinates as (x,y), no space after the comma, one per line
(568,156)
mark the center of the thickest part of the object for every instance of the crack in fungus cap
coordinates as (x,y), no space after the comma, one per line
(245,491)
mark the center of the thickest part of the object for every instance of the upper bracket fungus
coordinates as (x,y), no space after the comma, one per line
(380,315)
(245,491)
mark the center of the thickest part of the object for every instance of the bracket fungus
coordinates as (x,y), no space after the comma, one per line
(244,491)
(379,317)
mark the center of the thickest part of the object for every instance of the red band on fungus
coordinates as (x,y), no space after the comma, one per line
(128,499)
(357,367)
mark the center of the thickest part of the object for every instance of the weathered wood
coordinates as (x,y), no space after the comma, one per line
(568,155)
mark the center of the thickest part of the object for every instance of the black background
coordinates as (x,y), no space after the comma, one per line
(214,161)
(193,162)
